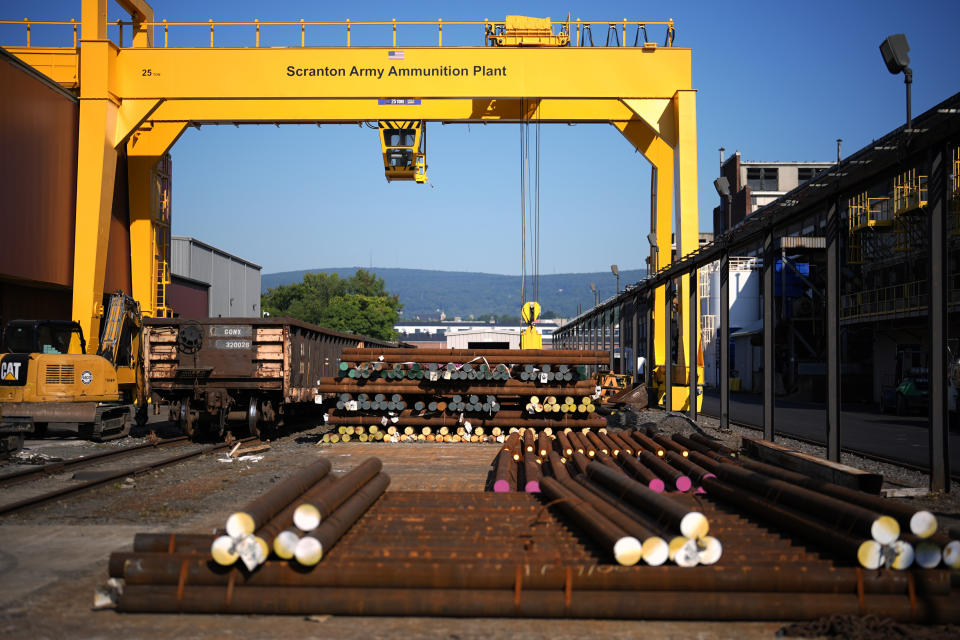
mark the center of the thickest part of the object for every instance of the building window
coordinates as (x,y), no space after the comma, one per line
(762,178)
(806,173)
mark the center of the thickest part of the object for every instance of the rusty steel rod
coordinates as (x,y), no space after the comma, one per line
(505,473)
(716,445)
(691,524)
(449,387)
(258,512)
(671,476)
(642,441)
(919,521)
(323,504)
(642,472)
(843,515)
(346,354)
(532,473)
(561,420)
(315,545)
(278,531)
(625,549)
(529,604)
(168,569)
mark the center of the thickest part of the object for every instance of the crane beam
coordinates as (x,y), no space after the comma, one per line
(144,96)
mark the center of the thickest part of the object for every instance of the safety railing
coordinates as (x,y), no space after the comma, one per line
(580,32)
(909,192)
(896,299)
(865,211)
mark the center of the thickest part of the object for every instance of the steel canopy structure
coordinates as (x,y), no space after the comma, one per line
(142,97)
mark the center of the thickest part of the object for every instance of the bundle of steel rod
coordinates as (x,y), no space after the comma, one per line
(627,516)
(818,509)
(321,506)
(472,389)
(487,555)
(392,433)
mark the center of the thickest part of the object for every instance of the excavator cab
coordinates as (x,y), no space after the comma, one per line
(404,147)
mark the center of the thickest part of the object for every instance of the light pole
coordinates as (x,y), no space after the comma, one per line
(722,185)
(654,251)
(616,271)
(894,51)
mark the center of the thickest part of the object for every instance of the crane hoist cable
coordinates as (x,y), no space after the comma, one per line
(530,210)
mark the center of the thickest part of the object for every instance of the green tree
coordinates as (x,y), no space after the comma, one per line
(358,304)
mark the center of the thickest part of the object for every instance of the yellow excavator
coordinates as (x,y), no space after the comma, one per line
(49,384)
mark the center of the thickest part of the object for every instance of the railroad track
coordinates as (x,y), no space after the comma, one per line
(954,475)
(108,476)
(60,466)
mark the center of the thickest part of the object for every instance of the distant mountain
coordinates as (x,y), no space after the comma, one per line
(426,292)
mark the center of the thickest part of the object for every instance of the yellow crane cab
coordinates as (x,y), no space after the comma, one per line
(404,147)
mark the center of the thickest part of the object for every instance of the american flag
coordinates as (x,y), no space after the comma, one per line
(395,55)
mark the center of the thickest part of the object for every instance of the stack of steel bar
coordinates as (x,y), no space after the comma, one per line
(299,520)
(401,391)
(460,554)
(856,524)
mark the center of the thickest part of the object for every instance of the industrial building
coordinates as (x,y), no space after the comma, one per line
(757,184)
(232,283)
(458,334)
(854,275)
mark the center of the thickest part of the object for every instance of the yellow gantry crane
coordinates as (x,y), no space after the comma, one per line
(139,98)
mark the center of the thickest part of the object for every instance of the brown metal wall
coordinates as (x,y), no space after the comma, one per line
(38,171)
(188,299)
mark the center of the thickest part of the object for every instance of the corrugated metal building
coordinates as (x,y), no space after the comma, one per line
(484,339)
(234,283)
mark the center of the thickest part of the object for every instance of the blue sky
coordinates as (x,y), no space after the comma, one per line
(775,80)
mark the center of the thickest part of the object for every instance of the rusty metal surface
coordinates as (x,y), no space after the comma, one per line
(509,555)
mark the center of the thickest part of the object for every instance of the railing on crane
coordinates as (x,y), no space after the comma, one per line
(576,33)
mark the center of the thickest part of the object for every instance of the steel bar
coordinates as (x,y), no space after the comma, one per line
(323,504)
(448,387)
(669,444)
(654,549)
(622,444)
(505,472)
(644,441)
(672,477)
(529,604)
(625,549)
(565,445)
(920,521)
(165,569)
(843,515)
(793,521)
(691,524)
(521,419)
(693,445)
(284,519)
(347,354)
(717,446)
(643,473)
(172,543)
(314,546)
(459,358)
(531,472)
(261,510)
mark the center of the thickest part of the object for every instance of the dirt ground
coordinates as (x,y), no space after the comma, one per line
(53,556)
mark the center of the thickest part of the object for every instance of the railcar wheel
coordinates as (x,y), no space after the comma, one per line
(253,417)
